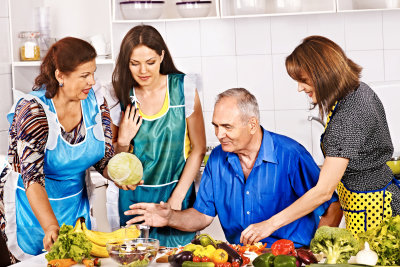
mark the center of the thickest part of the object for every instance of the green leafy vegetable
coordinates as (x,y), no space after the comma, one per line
(385,241)
(70,245)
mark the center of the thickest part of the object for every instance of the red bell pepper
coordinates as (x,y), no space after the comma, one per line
(283,247)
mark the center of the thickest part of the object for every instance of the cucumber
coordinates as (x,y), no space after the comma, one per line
(197,264)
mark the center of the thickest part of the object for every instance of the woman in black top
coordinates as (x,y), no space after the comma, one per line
(356,142)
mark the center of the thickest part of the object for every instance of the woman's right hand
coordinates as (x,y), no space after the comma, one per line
(128,126)
(50,236)
(129,187)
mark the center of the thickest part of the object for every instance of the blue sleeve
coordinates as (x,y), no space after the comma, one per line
(305,176)
(205,196)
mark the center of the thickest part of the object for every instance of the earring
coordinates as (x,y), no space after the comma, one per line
(61,84)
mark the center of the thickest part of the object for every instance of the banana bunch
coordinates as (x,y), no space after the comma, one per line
(99,239)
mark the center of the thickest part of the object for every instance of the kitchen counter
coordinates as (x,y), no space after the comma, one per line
(40,261)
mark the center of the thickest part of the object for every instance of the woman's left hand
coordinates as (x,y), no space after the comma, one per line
(50,236)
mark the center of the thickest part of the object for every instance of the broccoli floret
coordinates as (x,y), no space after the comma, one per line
(338,244)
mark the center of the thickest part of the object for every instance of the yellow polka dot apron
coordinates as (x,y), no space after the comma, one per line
(362,209)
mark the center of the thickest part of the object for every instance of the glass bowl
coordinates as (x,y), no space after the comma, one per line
(135,252)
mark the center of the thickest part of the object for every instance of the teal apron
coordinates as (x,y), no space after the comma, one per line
(160,146)
(64,168)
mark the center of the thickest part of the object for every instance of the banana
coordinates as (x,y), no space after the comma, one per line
(78,226)
(99,251)
(101,238)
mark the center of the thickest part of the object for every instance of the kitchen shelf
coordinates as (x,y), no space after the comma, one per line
(170,12)
(278,8)
(366,5)
(99,61)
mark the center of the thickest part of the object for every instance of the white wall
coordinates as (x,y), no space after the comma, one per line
(250,52)
(5,74)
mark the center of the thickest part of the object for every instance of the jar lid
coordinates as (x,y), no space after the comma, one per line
(29,34)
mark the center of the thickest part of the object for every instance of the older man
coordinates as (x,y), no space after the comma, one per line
(252,176)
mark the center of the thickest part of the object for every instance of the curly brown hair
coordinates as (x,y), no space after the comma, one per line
(64,55)
(322,64)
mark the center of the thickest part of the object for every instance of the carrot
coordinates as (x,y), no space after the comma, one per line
(88,263)
(61,263)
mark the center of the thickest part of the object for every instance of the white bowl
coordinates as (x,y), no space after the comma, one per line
(248,7)
(191,9)
(137,10)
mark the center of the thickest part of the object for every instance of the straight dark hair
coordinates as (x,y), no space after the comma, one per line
(322,64)
(146,35)
(65,55)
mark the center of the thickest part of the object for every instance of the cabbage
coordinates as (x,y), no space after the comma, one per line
(125,169)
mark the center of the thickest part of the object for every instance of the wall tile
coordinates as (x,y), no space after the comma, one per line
(391,26)
(363,30)
(294,123)
(328,25)
(189,46)
(219,74)
(4,9)
(217,37)
(287,32)
(372,63)
(267,120)
(255,74)
(212,140)
(286,95)
(5,52)
(392,65)
(253,36)
(3,143)
(191,65)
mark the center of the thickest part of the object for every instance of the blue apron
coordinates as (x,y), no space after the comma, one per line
(64,167)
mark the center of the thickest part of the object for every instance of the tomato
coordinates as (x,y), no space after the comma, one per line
(246,260)
(235,264)
(227,264)
(205,259)
(219,265)
(196,259)
(220,256)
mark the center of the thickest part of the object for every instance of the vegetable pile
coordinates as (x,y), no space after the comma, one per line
(204,251)
(385,241)
(338,244)
(70,245)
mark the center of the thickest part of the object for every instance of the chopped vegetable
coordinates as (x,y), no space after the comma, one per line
(70,245)
(367,256)
(61,263)
(385,241)
(338,244)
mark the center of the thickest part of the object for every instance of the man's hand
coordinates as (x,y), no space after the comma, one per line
(50,236)
(156,215)
(256,232)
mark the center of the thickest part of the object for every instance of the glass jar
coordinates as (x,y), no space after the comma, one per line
(29,46)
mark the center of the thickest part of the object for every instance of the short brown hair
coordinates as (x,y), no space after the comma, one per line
(64,55)
(321,63)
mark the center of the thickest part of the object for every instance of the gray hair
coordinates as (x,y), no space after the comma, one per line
(246,102)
